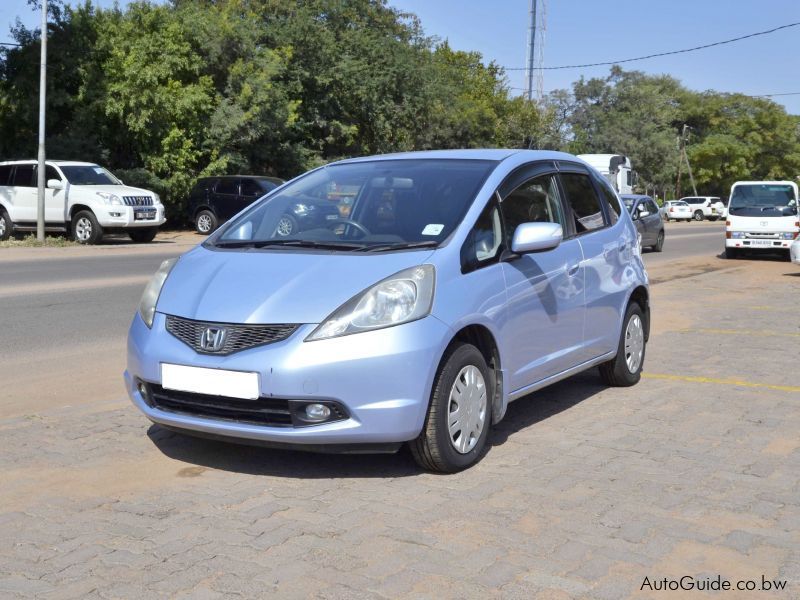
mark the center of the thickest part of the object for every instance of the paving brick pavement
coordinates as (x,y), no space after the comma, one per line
(585,491)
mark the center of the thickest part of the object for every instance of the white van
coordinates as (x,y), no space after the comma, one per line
(81,198)
(762,215)
(616,168)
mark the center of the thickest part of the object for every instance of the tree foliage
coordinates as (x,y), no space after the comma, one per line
(164,93)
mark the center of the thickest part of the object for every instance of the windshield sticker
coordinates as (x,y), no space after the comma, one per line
(432,229)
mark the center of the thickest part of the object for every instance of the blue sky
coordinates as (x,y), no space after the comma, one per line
(581,31)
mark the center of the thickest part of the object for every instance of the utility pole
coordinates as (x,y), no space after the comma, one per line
(531,49)
(680,164)
(40,171)
(684,156)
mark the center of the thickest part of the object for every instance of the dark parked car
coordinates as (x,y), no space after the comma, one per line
(647,218)
(214,200)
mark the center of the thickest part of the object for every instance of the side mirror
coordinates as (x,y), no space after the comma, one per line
(535,237)
(644,213)
(55,184)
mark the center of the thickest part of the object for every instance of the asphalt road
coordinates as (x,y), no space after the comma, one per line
(65,312)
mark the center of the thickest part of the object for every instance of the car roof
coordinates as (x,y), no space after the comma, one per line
(60,163)
(493,154)
(635,196)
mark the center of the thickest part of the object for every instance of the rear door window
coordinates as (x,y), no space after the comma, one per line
(251,189)
(227,186)
(23,176)
(587,212)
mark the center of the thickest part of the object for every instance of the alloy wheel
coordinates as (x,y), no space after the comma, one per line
(83,229)
(634,343)
(204,223)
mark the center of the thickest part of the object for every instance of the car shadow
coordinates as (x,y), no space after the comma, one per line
(754,257)
(259,460)
(547,402)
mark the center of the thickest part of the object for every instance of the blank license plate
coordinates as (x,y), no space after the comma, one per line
(143,216)
(213,382)
(760,242)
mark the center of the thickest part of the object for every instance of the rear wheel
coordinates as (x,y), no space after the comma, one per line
(731,252)
(698,215)
(659,245)
(287,225)
(459,415)
(206,222)
(85,228)
(5,225)
(143,235)
(625,369)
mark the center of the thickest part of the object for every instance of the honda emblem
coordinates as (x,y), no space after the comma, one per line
(213,339)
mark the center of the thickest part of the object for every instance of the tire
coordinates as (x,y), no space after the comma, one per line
(205,222)
(5,225)
(659,245)
(287,225)
(619,371)
(85,228)
(731,252)
(143,235)
(698,215)
(436,449)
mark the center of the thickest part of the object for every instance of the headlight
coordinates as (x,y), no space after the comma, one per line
(147,306)
(156,198)
(788,235)
(737,235)
(112,199)
(405,296)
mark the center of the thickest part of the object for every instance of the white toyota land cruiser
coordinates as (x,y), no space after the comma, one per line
(81,198)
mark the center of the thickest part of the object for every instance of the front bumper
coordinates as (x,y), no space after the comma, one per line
(767,245)
(383,378)
(125,216)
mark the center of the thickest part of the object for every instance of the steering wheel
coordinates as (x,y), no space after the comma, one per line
(364,231)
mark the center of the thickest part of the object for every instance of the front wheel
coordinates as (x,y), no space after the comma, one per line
(459,415)
(206,222)
(625,369)
(287,225)
(698,215)
(144,235)
(659,245)
(5,225)
(85,228)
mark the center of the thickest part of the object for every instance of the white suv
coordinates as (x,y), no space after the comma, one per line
(81,198)
(706,207)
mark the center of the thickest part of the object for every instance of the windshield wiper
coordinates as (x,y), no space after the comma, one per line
(332,245)
(400,246)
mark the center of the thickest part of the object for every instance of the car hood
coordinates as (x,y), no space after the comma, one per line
(281,286)
(119,190)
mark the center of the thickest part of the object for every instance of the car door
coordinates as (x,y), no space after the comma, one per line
(226,198)
(55,201)
(639,221)
(606,246)
(653,220)
(23,193)
(544,328)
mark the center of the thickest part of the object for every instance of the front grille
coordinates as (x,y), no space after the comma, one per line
(263,411)
(137,200)
(763,235)
(236,337)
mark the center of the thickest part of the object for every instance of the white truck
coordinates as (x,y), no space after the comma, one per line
(616,168)
(81,198)
(762,216)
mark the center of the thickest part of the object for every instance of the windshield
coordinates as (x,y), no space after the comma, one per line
(371,205)
(763,199)
(88,175)
(628,202)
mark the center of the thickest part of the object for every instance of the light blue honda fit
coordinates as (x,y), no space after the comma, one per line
(446,285)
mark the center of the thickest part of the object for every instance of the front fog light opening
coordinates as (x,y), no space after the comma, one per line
(316,413)
(144,391)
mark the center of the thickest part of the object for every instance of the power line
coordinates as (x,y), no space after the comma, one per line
(9,44)
(626,60)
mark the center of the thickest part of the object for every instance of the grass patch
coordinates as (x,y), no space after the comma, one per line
(30,241)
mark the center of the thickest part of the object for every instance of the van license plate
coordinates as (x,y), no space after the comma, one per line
(760,242)
(212,382)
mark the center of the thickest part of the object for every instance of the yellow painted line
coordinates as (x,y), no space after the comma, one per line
(734,382)
(742,332)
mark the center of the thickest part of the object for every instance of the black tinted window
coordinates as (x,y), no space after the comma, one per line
(23,176)
(535,201)
(5,174)
(251,188)
(227,186)
(49,173)
(586,209)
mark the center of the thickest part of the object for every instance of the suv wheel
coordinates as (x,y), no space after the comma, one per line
(459,415)
(625,368)
(206,222)
(5,225)
(143,235)
(698,215)
(85,228)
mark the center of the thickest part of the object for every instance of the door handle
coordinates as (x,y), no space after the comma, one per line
(572,270)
